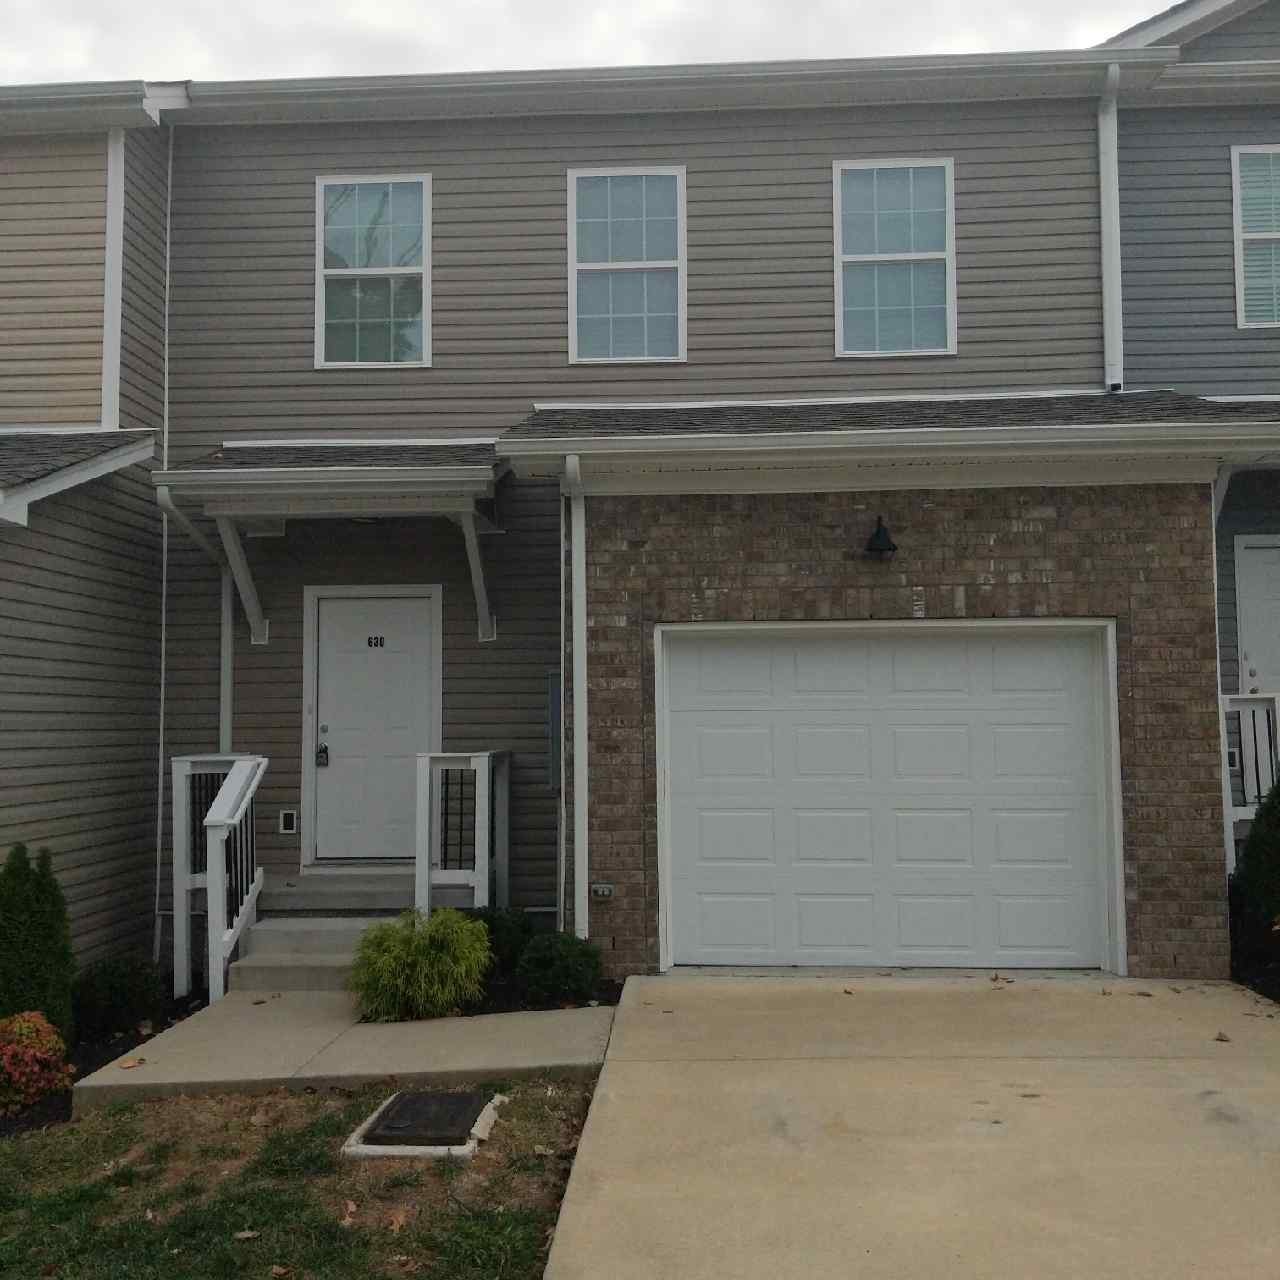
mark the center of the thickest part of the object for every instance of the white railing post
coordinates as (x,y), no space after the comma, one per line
(502,827)
(424,834)
(482,765)
(180,808)
(216,910)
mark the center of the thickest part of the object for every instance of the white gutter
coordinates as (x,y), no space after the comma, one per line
(171,509)
(578,589)
(1109,201)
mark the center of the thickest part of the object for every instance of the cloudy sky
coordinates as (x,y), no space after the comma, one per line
(51,40)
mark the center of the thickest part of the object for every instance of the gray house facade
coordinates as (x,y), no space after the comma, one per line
(739,514)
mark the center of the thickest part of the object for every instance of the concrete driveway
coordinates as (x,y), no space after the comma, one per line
(904,1127)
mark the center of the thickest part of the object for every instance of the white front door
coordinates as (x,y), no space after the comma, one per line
(1258,608)
(860,798)
(375,706)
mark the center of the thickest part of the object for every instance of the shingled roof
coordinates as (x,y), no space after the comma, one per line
(309,457)
(27,456)
(1166,408)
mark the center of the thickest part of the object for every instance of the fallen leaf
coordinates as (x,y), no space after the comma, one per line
(349,1217)
(260,1002)
(279,1272)
(1150,995)
(1222,1038)
(129,1063)
(246,1235)
(848,991)
(397,1219)
(150,1215)
(544,1151)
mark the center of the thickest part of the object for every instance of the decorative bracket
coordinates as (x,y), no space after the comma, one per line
(259,627)
(488,626)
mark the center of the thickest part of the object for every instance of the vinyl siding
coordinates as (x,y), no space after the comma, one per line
(52,238)
(79,684)
(494,694)
(142,314)
(760,287)
(1253,37)
(1178,248)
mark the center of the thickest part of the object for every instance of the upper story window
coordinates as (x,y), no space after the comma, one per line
(626,264)
(1255,174)
(895,258)
(373,237)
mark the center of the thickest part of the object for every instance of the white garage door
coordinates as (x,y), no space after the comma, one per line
(845,798)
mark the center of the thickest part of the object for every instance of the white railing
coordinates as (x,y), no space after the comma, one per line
(463,828)
(1250,726)
(214,848)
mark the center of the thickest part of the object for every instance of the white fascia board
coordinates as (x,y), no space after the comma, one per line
(1180,23)
(14,502)
(792,402)
(1171,437)
(347,442)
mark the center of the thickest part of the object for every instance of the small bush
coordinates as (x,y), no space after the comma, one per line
(1255,886)
(116,994)
(36,963)
(558,968)
(420,967)
(32,1061)
(509,934)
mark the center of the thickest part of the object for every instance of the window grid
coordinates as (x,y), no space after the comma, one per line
(377,318)
(944,257)
(1255,175)
(658,325)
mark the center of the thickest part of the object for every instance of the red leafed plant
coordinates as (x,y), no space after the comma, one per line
(32,1061)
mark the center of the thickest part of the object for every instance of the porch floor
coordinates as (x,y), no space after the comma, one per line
(252,1042)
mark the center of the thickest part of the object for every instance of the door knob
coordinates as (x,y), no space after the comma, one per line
(1253,671)
(322,755)
(1253,688)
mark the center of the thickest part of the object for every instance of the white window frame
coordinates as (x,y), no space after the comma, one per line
(1238,232)
(323,272)
(947,164)
(680,264)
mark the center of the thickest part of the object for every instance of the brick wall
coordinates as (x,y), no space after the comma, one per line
(1139,554)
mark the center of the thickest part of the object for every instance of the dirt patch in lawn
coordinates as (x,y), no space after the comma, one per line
(254,1186)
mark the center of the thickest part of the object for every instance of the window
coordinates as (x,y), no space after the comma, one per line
(1255,176)
(626,264)
(373,240)
(895,258)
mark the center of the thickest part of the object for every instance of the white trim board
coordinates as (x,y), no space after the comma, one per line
(1103,630)
(15,502)
(311,597)
(680,264)
(113,281)
(1238,232)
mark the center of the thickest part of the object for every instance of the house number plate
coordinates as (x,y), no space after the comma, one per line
(377,642)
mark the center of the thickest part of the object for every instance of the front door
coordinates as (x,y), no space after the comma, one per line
(1258,603)
(375,709)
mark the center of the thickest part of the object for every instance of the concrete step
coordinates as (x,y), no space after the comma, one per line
(290,973)
(337,895)
(305,935)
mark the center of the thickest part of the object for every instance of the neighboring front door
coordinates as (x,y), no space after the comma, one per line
(375,709)
(1258,605)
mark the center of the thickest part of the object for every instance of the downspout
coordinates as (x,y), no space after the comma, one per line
(1109,197)
(578,593)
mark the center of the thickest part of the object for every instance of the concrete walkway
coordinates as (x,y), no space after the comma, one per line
(895,1127)
(251,1042)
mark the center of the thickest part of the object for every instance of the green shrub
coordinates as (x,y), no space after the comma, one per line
(32,1061)
(509,933)
(420,967)
(558,968)
(116,994)
(36,963)
(1255,885)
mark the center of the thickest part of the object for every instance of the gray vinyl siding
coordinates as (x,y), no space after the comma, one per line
(494,694)
(52,243)
(760,283)
(1179,254)
(79,686)
(142,311)
(1254,37)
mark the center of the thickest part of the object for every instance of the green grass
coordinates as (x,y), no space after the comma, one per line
(220,1189)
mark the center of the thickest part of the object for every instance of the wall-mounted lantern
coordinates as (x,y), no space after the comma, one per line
(880,546)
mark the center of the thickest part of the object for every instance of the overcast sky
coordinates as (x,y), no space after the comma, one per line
(51,40)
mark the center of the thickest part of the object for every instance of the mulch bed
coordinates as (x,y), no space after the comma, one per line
(87,1057)
(502,996)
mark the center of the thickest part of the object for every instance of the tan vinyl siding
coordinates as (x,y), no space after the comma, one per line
(760,289)
(142,315)
(52,238)
(495,694)
(1254,37)
(79,684)
(1179,253)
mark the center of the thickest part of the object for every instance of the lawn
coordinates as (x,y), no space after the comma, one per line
(232,1186)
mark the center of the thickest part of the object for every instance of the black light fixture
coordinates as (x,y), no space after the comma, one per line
(880,546)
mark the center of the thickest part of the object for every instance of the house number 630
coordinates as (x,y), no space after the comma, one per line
(377,642)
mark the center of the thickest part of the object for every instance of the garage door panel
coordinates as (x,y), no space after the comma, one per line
(900,800)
